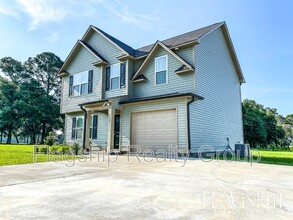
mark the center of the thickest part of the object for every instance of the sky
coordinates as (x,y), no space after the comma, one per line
(261,32)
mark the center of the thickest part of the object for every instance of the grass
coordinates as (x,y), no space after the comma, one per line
(274,157)
(23,154)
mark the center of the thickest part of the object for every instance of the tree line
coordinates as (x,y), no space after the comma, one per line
(30,97)
(264,127)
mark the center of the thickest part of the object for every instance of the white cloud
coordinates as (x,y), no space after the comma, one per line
(6,9)
(144,21)
(41,12)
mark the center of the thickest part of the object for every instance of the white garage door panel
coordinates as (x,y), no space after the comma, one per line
(156,128)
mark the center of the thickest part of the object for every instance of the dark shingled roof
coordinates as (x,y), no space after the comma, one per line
(182,68)
(183,38)
(165,96)
(124,46)
(171,42)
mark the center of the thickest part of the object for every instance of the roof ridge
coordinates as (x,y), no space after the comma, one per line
(180,35)
(120,43)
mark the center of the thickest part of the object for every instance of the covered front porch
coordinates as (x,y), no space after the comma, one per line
(105,126)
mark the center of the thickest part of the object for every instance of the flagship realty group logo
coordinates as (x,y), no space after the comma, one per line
(146,155)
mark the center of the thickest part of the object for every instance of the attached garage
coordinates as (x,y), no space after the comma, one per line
(155,129)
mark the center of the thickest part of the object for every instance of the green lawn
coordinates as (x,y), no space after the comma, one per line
(274,157)
(22,154)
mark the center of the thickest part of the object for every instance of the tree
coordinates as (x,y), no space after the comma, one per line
(13,69)
(44,68)
(255,132)
(264,126)
(9,112)
(35,100)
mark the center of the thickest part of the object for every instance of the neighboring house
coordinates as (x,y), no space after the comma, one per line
(182,92)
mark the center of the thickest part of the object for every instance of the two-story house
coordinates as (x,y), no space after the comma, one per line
(182,92)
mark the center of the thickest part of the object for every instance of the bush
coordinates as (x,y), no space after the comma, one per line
(75,148)
(42,149)
(65,149)
(49,140)
(55,149)
(291,148)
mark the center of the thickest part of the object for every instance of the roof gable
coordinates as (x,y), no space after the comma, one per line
(117,43)
(77,46)
(156,45)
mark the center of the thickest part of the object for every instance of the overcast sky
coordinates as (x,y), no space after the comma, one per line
(261,31)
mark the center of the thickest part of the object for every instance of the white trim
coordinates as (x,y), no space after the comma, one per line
(119,64)
(120,48)
(92,122)
(78,43)
(151,52)
(79,128)
(167,76)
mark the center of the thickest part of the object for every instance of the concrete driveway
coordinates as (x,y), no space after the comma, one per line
(132,189)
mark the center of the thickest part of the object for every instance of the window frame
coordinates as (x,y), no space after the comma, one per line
(80,84)
(91,127)
(166,56)
(119,73)
(79,128)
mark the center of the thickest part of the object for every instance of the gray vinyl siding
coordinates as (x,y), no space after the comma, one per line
(130,73)
(219,115)
(81,62)
(179,104)
(186,54)
(109,52)
(176,83)
(102,129)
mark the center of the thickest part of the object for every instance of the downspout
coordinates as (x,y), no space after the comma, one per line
(84,127)
(188,122)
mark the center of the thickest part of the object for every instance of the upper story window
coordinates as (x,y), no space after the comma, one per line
(81,83)
(161,74)
(115,76)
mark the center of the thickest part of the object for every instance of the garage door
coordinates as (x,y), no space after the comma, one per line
(154,129)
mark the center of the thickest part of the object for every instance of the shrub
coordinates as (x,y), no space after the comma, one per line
(75,148)
(65,149)
(55,149)
(49,140)
(42,149)
(291,148)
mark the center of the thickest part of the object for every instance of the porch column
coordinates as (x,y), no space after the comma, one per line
(110,140)
(87,128)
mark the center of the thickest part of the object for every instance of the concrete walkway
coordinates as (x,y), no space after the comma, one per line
(126,188)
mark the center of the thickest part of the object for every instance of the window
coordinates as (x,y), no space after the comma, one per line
(94,127)
(77,127)
(161,70)
(80,83)
(115,76)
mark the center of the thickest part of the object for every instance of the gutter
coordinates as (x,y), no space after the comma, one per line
(84,127)
(188,121)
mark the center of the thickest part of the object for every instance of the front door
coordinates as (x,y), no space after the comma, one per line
(116,131)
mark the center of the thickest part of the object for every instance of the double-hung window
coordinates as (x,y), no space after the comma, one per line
(81,83)
(94,127)
(77,127)
(115,76)
(161,74)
